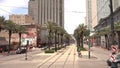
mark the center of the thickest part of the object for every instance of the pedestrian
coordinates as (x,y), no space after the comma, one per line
(114,63)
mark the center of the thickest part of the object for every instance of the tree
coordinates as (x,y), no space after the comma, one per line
(50,30)
(10,26)
(20,29)
(2,23)
(62,32)
(79,34)
(67,38)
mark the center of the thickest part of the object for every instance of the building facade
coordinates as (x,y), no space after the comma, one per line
(21,19)
(28,23)
(89,14)
(43,11)
(103,8)
(96,9)
(116,4)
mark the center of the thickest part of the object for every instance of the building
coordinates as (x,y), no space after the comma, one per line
(21,19)
(94,13)
(28,22)
(96,9)
(116,4)
(43,11)
(89,13)
(103,8)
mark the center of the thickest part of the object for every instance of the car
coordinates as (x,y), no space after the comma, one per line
(116,58)
(21,50)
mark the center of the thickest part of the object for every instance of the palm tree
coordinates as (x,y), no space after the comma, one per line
(2,22)
(62,32)
(67,38)
(20,29)
(10,26)
(50,30)
(79,34)
(55,29)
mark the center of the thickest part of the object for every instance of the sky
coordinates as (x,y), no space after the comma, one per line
(74,11)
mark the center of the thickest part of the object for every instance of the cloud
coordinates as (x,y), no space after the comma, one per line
(7,6)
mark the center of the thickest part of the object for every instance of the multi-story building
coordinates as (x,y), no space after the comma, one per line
(43,11)
(21,19)
(96,9)
(94,13)
(89,13)
(28,22)
(103,8)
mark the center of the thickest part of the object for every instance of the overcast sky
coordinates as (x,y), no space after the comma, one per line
(74,11)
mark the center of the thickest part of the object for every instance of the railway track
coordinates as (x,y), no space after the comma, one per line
(63,58)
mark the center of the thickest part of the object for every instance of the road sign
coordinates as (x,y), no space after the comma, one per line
(114,48)
(112,58)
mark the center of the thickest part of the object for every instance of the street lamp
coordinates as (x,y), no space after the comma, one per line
(89,28)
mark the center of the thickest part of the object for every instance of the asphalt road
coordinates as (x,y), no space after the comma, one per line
(65,58)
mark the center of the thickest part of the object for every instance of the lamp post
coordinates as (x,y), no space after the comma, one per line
(89,28)
(89,45)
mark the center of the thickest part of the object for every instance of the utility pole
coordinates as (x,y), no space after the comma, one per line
(89,27)
(38,26)
(112,22)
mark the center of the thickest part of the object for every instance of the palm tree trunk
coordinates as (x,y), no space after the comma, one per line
(58,39)
(82,42)
(55,41)
(106,41)
(9,47)
(19,39)
(78,41)
(61,39)
(49,39)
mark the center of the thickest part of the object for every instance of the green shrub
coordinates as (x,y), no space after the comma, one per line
(53,48)
(83,49)
(49,51)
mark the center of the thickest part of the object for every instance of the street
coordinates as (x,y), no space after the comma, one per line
(65,58)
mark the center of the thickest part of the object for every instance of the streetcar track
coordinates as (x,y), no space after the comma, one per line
(54,60)
(74,58)
(50,59)
(67,58)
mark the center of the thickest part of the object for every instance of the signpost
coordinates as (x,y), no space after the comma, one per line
(26,49)
(114,49)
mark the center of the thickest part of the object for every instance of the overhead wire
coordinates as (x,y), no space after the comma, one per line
(13,6)
(5,11)
(100,10)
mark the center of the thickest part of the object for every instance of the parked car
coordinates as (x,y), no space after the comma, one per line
(116,58)
(21,50)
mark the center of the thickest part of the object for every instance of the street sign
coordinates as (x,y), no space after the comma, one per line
(112,58)
(114,48)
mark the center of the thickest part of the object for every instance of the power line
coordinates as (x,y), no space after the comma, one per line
(75,11)
(100,10)
(5,11)
(14,6)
